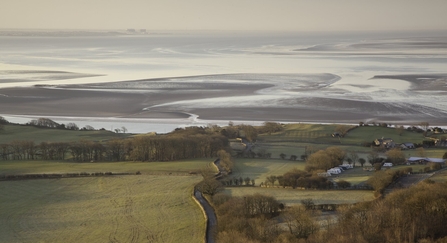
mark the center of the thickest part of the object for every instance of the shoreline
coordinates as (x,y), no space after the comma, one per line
(166,125)
(167,103)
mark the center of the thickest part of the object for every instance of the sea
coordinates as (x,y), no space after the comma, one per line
(399,67)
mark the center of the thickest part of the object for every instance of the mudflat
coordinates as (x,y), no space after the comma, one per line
(256,97)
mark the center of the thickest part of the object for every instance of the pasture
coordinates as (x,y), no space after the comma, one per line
(370,133)
(355,176)
(12,167)
(260,169)
(301,133)
(294,138)
(144,208)
(440,176)
(291,196)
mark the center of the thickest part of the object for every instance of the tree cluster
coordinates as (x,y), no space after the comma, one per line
(247,181)
(3,122)
(325,159)
(141,148)
(395,156)
(416,214)
(248,132)
(298,178)
(246,219)
(381,179)
(225,160)
(409,215)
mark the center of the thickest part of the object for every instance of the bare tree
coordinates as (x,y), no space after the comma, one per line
(282,155)
(421,152)
(271,180)
(424,126)
(72,126)
(210,186)
(362,161)
(250,132)
(3,120)
(88,128)
(353,156)
(300,222)
(310,150)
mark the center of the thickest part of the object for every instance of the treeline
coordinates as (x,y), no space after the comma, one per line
(416,214)
(56,175)
(381,179)
(248,132)
(187,143)
(301,179)
(247,181)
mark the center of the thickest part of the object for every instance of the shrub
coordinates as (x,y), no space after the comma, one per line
(435,166)
(343,184)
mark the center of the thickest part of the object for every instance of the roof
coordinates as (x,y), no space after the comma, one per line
(435,160)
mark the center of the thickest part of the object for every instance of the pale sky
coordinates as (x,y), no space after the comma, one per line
(287,15)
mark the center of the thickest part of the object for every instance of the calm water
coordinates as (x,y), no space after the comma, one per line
(343,62)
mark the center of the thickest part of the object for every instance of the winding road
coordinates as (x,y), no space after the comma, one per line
(211,223)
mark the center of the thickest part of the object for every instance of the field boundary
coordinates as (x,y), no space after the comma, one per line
(60,175)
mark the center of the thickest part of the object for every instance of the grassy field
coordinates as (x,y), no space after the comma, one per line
(355,176)
(440,176)
(294,138)
(38,135)
(11,167)
(144,208)
(301,132)
(259,169)
(294,196)
(370,133)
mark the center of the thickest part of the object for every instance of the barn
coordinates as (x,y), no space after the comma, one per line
(424,160)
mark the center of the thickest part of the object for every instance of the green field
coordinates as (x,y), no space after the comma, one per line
(153,207)
(38,135)
(370,133)
(144,208)
(301,133)
(294,138)
(259,169)
(294,196)
(355,176)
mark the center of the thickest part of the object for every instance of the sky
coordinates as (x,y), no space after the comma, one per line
(281,15)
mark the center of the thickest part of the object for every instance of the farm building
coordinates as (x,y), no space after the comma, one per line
(407,146)
(385,142)
(422,160)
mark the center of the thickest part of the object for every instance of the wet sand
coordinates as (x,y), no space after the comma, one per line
(166,100)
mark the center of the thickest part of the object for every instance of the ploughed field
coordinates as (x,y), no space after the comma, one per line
(133,208)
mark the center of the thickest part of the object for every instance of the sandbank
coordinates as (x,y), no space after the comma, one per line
(247,98)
